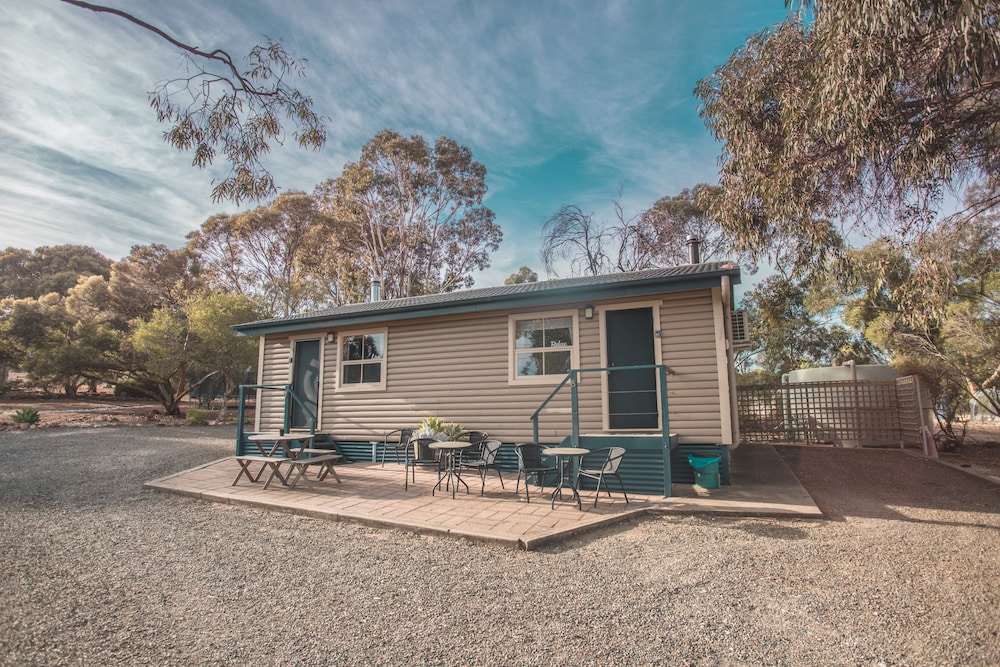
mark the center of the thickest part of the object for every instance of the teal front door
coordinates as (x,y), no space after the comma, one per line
(305,384)
(632,396)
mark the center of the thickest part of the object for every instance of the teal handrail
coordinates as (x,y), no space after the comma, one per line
(289,393)
(572,377)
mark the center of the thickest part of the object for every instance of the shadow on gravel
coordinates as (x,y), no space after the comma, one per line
(773,529)
(883,484)
(96,467)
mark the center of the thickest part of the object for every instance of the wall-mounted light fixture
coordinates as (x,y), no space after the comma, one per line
(330,337)
(588,312)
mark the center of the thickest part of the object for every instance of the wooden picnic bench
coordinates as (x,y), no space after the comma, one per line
(298,467)
(272,462)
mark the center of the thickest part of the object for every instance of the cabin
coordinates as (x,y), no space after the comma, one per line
(642,360)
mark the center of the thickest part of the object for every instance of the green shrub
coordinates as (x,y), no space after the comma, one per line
(26,416)
(196,417)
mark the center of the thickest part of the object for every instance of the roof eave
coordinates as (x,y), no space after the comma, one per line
(489,303)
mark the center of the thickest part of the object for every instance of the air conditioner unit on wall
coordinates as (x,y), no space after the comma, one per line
(740,328)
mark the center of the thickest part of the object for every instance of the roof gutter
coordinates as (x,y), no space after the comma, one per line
(489,303)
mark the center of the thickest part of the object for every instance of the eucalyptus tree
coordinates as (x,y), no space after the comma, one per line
(855,116)
(26,273)
(934,305)
(675,218)
(272,252)
(523,275)
(789,333)
(216,347)
(220,107)
(576,238)
(413,214)
(55,345)
(150,278)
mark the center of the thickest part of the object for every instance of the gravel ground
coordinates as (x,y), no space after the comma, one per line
(95,570)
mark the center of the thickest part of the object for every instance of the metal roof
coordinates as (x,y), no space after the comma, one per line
(650,281)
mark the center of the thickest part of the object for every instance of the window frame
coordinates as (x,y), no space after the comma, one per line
(512,350)
(342,337)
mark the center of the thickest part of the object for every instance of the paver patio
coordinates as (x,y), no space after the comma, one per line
(370,494)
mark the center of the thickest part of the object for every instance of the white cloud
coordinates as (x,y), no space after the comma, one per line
(520,82)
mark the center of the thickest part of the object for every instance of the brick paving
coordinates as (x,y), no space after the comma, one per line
(374,495)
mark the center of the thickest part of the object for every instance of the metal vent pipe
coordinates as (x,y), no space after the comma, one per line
(694,250)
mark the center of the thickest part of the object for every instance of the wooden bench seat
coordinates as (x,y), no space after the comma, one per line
(247,460)
(298,467)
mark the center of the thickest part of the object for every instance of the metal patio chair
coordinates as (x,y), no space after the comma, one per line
(529,462)
(397,442)
(487,460)
(474,437)
(420,455)
(610,458)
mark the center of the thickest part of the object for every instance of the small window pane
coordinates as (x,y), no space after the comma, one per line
(529,363)
(352,374)
(353,348)
(371,373)
(557,363)
(529,334)
(374,346)
(559,332)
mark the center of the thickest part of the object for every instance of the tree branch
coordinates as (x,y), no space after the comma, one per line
(218,54)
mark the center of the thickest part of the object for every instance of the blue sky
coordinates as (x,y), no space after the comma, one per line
(563,102)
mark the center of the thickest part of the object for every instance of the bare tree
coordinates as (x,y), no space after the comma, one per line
(572,235)
(655,237)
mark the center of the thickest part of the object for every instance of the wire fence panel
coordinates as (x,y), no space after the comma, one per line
(847,413)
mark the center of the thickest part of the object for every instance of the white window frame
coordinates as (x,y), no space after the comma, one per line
(512,351)
(362,386)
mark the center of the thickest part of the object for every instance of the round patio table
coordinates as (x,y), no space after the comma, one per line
(564,461)
(452,450)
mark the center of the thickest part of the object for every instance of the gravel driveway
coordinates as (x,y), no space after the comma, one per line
(95,570)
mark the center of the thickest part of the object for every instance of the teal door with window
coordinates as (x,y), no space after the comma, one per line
(305,384)
(632,396)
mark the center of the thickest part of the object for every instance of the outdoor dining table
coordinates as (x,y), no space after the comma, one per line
(452,450)
(564,461)
(282,442)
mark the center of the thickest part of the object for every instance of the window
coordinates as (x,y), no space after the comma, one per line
(544,348)
(362,361)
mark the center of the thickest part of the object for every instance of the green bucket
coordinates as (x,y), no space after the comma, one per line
(706,470)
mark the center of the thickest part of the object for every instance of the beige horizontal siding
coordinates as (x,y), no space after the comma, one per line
(274,371)
(687,328)
(457,368)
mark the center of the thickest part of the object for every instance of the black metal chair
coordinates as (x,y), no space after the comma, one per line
(397,442)
(474,451)
(609,458)
(487,460)
(420,455)
(529,462)
(474,437)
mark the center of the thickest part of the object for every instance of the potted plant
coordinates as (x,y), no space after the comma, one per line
(26,417)
(435,427)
